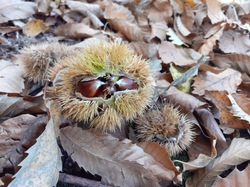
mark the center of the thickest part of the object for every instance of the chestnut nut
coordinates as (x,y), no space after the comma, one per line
(105,87)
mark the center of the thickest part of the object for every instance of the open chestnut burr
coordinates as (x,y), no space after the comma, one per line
(105,84)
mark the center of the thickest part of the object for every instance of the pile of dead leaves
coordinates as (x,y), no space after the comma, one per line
(173,35)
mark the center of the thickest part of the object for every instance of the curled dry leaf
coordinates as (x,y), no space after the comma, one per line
(228,80)
(116,161)
(237,153)
(235,178)
(42,165)
(122,20)
(14,104)
(209,43)
(93,11)
(16,9)
(237,110)
(11,80)
(221,101)
(201,152)
(214,11)
(210,123)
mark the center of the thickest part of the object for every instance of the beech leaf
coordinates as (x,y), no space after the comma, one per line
(235,178)
(227,80)
(237,153)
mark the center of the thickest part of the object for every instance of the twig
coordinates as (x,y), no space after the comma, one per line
(63,177)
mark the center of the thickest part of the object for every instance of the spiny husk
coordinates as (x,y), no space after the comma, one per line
(167,126)
(93,61)
(36,60)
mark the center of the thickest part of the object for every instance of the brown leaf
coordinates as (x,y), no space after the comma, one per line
(11,79)
(235,178)
(16,9)
(234,42)
(145,49)
(227,80)
(221,101)
(209,122)
(13,104)
(35,27)
(93,11)
(238,152)
(187,101)
(42,165)
(201,152)
(160,155)
(75,30)
(123,21)
(209,43)
(241,62)
(182,57)
(11,132)
(214,11)
(8,29)
(116,161)
(237,110)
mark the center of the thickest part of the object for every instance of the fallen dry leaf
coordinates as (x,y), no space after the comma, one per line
(237,110)
(160,155)
(35,27)
(116,161)
(42,165)
(186,101)
(14,104)
(209,43)
(15,9)
(11,132)
(214,11)
(228,80)
(75,30)
(11,80)
(234,42)
(238,152)
(235,178)
(179,56)
(240,62)
(221,101)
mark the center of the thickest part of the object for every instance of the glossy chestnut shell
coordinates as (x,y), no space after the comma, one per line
(106,86)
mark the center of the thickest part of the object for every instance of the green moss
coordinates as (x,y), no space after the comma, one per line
(183,156)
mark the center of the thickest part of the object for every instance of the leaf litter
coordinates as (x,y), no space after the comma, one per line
(172,34)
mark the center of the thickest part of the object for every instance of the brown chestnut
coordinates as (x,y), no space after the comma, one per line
(89,88)
(125,83)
